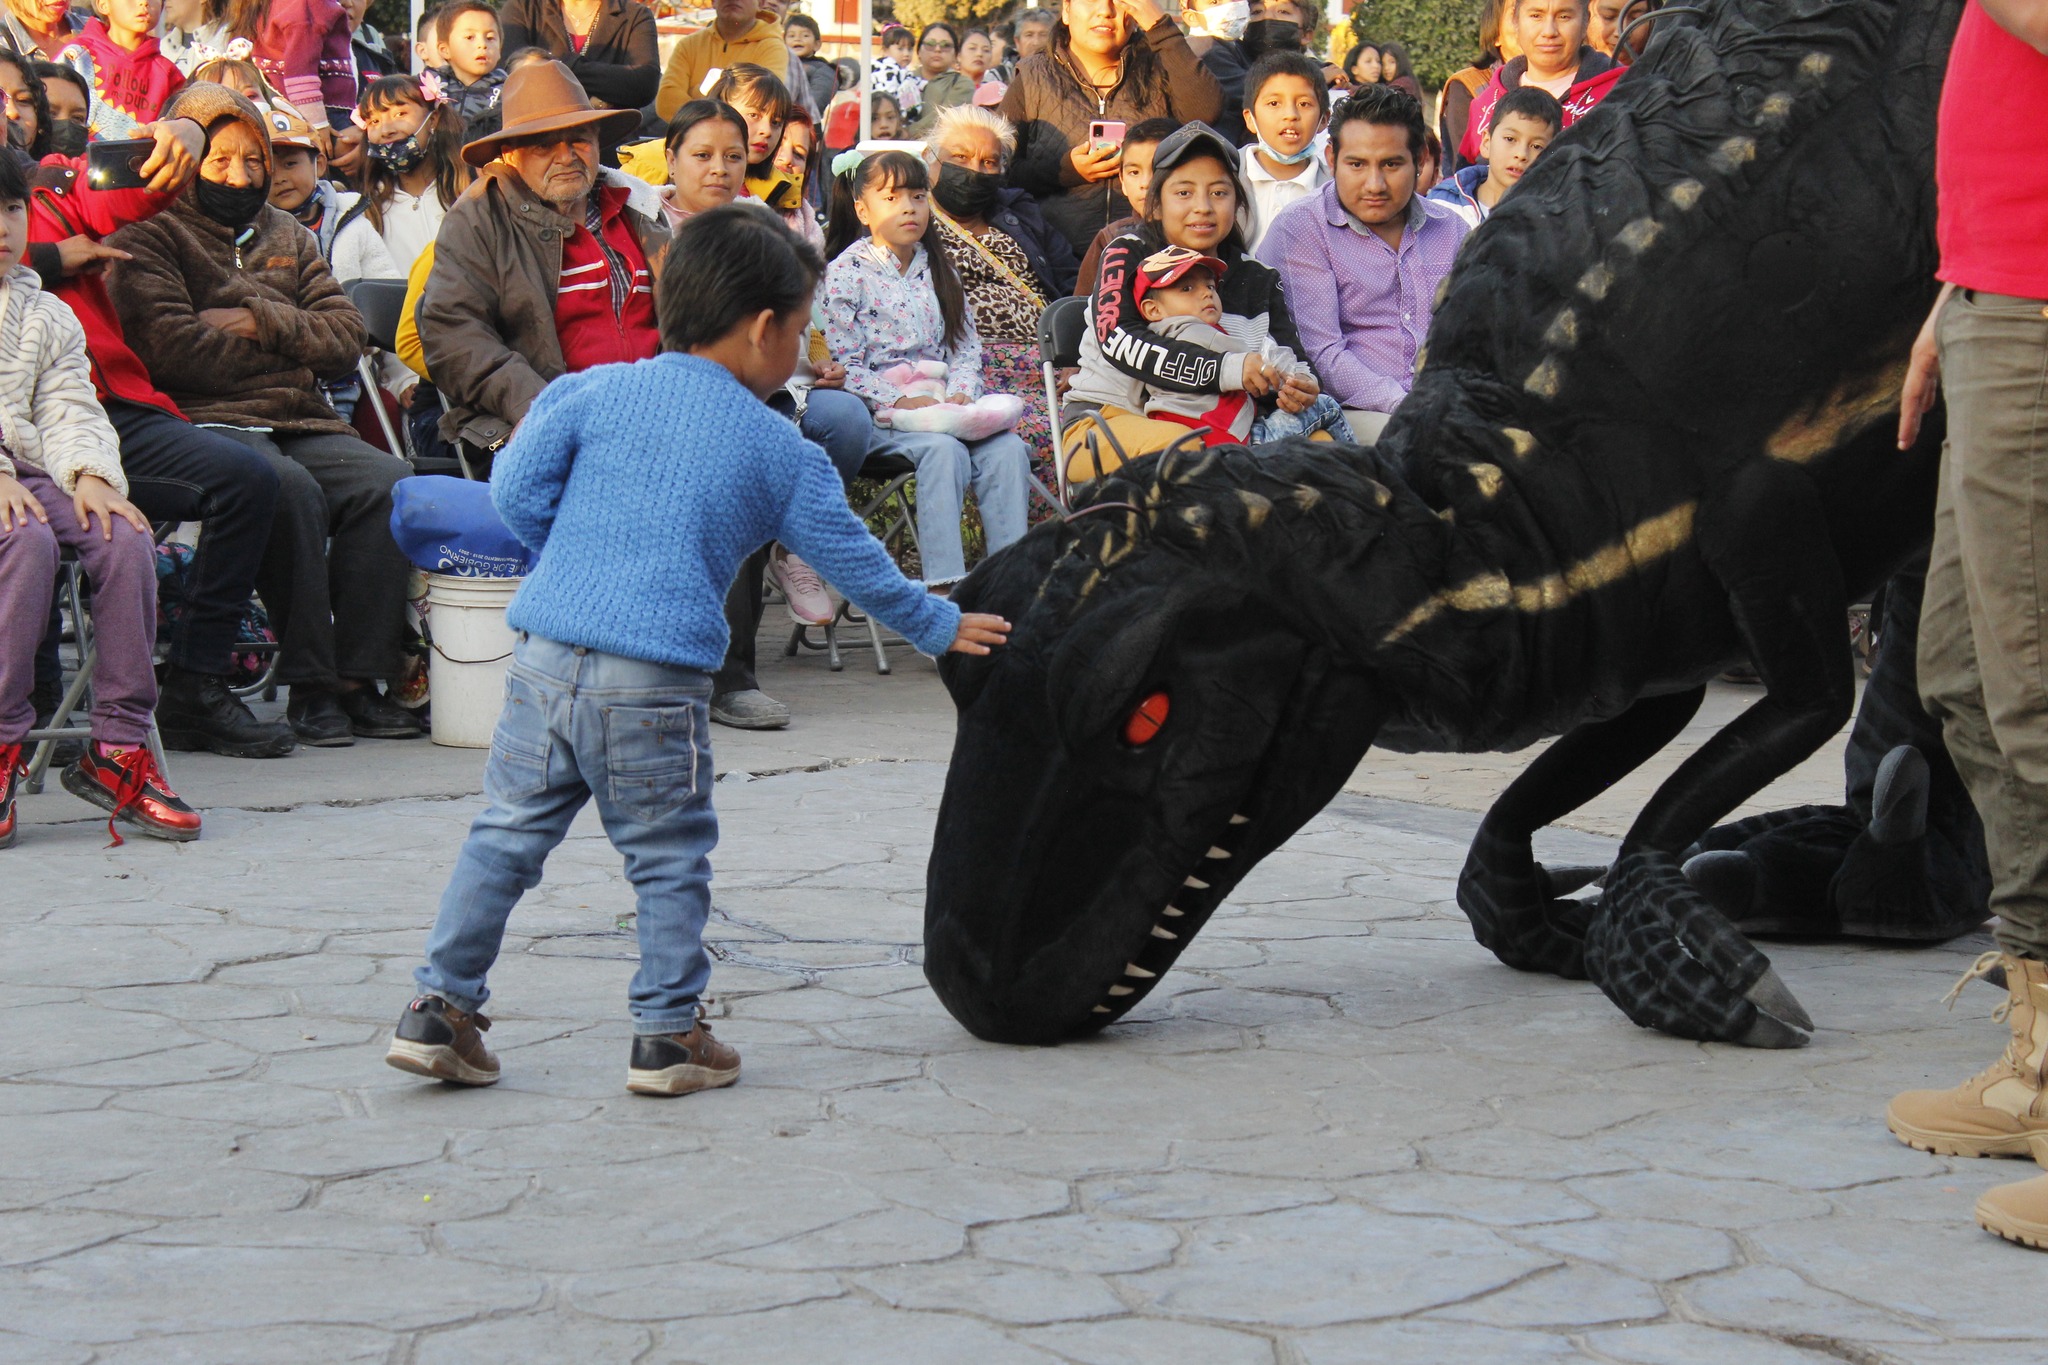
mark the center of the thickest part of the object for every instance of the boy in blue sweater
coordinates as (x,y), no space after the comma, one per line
(642,487)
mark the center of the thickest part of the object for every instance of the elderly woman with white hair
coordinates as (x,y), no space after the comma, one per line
(1011,262)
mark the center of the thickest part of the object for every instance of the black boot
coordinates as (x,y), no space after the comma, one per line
(195,712)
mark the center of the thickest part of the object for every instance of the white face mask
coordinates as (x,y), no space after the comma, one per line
(1225,21)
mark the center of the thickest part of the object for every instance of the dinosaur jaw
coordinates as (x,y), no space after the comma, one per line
(1056,901)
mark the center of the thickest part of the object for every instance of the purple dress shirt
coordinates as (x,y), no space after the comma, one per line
(1361,307)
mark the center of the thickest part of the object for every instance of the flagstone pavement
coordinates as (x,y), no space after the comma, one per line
(1339,1132)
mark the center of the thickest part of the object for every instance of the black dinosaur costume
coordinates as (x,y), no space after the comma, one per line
(1901,859)
(1651,435)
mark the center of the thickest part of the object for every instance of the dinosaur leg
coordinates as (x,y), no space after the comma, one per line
(1657,946)
(1902,859)
(1520,909)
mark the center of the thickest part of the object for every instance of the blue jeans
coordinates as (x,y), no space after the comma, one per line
(1000,470)
(839,421)
(580,723)
(1325,414)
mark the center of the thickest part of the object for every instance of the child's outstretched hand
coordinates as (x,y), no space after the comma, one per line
(979,632)
(94,496)
(18,506)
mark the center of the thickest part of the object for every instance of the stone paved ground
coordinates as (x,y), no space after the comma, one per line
(1340,1132)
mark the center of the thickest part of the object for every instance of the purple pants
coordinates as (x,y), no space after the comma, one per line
(123,575)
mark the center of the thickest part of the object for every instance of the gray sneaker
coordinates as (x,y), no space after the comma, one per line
(752,709)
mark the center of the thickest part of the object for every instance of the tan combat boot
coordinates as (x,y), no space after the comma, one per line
(2002,1109)
(2019,1212)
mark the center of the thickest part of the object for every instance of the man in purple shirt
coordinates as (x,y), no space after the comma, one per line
(1362,258)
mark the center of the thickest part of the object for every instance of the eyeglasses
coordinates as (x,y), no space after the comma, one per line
(939,45)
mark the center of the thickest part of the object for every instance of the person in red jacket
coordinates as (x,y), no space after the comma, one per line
(176,471)
(1981,622)
(302,48)
(129,78)
(1555,56)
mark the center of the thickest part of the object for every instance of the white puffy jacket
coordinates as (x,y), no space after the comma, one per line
(50,417)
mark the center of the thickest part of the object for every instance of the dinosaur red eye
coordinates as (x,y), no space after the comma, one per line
(1145,720)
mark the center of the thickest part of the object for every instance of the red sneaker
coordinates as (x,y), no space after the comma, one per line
(11,770)
(125,783)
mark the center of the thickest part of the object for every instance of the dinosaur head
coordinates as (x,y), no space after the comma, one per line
(1179,694)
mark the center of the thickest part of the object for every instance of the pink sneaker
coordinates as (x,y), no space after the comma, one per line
(809,603)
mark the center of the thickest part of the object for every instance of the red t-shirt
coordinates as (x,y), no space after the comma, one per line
(604,303)
(1993,180)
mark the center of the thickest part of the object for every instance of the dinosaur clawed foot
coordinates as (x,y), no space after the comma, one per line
(1523,911)
(1661,950)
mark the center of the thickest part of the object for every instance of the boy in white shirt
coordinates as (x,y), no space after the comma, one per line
(1286,105)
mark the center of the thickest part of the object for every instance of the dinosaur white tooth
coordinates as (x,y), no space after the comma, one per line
(1158,932)
(1240,819)
(1120,990)
(1215,852)
(1104,1009)
(1173,912)
(1133,969)
(1196,883)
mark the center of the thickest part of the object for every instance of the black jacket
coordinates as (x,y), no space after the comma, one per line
(824,81)
(1052,260)
(1225,60)
(1248,288)
(619,66)
(1052,109)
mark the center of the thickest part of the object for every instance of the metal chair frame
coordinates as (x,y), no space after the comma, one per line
(374,300)
(77,693)
(895,502)
(1060,328)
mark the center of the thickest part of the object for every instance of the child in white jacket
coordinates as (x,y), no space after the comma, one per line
(61,488)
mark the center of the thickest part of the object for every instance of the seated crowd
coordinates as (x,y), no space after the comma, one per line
(1257,233)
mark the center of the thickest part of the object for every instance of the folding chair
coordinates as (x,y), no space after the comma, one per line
(382,303)
(893,503)
(70,586)
(1060,329)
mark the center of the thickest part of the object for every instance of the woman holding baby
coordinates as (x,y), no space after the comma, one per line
(1135,377)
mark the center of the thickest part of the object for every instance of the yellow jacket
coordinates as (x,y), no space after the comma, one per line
(409,348)
(703,52)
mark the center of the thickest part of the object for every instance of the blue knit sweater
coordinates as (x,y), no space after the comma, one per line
(642,487)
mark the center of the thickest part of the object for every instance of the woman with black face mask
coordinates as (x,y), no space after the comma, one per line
(1011,263)
(228,302)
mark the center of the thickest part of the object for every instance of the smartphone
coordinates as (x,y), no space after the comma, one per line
(117,164)
(1106,133)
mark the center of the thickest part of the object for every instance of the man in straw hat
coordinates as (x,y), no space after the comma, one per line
(544,267)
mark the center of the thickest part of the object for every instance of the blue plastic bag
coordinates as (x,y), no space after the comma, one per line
(447,525)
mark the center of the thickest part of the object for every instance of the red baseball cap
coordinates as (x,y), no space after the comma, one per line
(1165,266)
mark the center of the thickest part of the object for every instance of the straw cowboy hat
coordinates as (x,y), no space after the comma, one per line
(545,98)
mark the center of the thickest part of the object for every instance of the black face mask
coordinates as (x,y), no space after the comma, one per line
(227,205)
(67,138)
(1270,35)
(964,193)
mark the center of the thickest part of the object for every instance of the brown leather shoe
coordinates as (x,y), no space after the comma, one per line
(679,1063)
(436,1039)
(2001,1110)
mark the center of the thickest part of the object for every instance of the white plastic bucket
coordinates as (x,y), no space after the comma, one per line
(472,650)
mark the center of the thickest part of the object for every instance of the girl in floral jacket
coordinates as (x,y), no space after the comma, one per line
(892,298)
